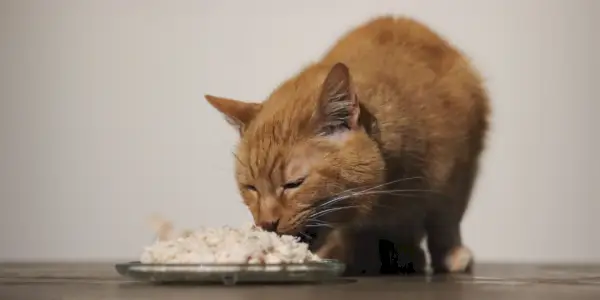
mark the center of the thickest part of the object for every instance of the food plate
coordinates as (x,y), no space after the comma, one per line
(230,274)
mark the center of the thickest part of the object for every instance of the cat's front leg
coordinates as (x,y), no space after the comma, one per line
(339,245)
(334,246)
(359,251)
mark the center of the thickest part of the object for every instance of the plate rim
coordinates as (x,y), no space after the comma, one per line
(324,262)
(330,269)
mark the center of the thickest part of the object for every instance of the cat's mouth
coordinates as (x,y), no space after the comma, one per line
(308,235)
(313,236)
(322,221)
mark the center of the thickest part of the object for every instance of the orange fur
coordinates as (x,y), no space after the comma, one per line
(391,101)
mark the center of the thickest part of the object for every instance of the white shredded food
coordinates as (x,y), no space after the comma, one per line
(226,245)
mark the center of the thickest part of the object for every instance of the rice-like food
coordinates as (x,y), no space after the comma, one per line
(226,245)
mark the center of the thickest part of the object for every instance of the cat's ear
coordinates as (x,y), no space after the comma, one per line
(338,107)
(237,113)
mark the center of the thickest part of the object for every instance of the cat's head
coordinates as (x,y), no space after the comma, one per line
(302,147)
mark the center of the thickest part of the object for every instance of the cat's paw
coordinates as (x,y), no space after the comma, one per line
(459,260)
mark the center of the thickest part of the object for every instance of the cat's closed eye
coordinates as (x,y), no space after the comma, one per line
(250,187)
(294,184)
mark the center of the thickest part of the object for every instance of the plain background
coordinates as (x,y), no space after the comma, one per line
(103,120)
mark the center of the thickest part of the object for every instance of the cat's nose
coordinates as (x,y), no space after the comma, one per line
(269,226)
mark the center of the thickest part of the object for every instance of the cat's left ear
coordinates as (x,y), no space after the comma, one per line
(338,107)
(237,113)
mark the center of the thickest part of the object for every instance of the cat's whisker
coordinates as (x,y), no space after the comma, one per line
(373,187)
(330,210)
(341,194)
(319,226)
(313,221)
(397,192)
(308,237)
(389,182)
(313,212)
(348,190)
(333,201)
(296,221)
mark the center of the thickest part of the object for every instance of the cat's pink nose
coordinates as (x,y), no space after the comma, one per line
(269,226)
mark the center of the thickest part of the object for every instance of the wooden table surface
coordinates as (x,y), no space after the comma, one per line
(489,282)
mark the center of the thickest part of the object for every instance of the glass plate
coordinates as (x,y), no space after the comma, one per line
(230,274)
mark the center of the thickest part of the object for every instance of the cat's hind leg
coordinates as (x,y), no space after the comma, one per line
(448,254)
(442,223)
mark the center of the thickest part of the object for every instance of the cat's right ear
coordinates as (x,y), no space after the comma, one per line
(338,108)
(237,113)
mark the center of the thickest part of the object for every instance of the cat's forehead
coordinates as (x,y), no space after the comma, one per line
(271,156)
(266,150)
(276,137)
(280,123)
(254,164)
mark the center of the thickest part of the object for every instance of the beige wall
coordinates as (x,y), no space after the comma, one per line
(102,119)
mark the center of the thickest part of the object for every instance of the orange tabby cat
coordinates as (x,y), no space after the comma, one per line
(378,141)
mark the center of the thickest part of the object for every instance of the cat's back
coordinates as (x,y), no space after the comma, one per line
(419,86)
(403,65)
(395,46)
(409,77)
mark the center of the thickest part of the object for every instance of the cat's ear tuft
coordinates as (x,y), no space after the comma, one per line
(237,113)
(338,107)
